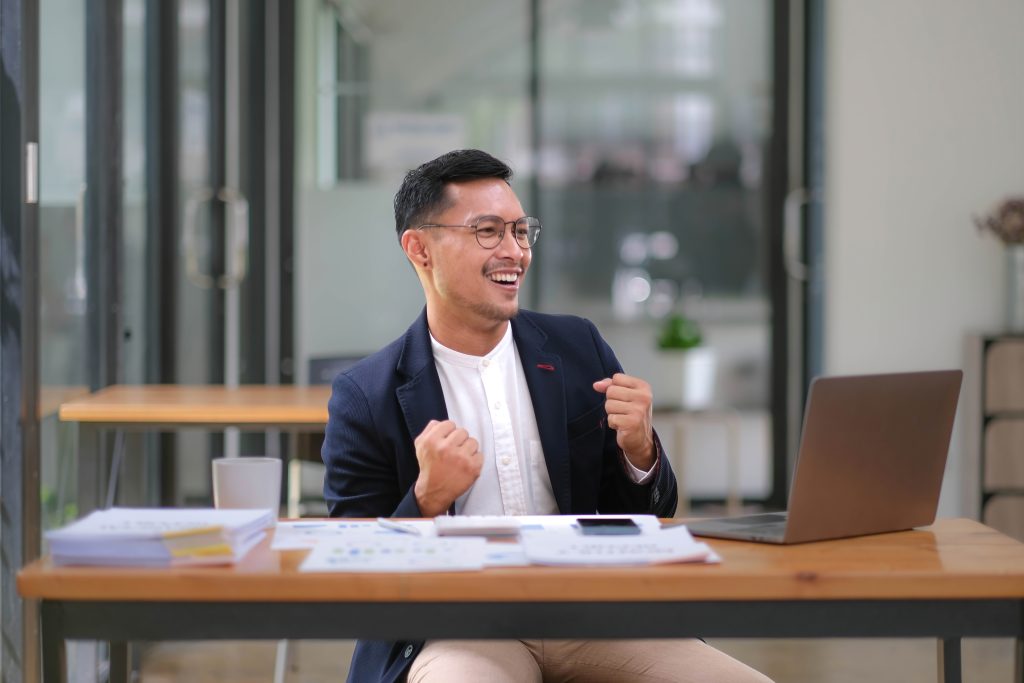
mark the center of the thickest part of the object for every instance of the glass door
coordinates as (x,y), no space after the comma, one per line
(655,125)
(92,233)
(230,284)
(63,282)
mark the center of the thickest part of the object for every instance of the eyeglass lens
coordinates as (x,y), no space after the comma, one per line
(491,230)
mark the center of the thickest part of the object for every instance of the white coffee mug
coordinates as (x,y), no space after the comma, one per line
(247,482)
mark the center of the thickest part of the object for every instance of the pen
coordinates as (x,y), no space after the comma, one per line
(398,526)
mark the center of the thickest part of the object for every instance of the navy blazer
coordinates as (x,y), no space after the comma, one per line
(381,404)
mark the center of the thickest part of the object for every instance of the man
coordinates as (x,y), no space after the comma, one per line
(480,408)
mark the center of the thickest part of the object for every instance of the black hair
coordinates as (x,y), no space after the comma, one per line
(422,193)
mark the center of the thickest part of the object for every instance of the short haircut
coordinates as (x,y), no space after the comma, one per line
(422,193)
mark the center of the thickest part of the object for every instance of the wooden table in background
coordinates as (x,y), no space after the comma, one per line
(159,408)
(952,580)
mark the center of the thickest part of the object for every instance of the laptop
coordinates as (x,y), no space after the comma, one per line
(872,455)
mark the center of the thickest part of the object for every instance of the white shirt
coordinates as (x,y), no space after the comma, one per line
(487,396)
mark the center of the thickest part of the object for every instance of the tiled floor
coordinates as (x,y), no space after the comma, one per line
(786,661)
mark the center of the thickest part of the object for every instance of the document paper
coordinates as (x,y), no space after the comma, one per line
(669,545)
(396,553)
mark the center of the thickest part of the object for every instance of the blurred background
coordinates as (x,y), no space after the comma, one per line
(796,180)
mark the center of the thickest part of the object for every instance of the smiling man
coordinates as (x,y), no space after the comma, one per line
(481,408)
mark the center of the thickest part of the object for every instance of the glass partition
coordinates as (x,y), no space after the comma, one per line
(647,169)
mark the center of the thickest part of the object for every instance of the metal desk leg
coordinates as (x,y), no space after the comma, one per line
(949,660)
(120,662)
(67,433)
(54,660)
(115,469)
(89,468)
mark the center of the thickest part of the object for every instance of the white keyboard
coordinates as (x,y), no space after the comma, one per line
(476,525)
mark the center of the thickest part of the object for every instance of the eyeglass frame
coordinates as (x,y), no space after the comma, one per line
(501,235)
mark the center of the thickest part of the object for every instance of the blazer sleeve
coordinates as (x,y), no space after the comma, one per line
(619,493)
(362,477)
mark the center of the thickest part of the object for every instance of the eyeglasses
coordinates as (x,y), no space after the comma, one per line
(490,230)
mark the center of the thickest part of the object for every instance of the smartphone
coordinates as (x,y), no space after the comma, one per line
(607,526)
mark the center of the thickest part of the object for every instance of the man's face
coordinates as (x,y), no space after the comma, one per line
(471,283)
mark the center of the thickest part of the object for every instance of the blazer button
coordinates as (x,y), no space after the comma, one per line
(408,651)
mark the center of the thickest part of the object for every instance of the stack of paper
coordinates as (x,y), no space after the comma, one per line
(159,537)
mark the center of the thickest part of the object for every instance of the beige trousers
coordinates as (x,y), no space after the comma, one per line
(590,661)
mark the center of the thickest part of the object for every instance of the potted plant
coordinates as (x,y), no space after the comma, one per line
(688,376)
(1007,223)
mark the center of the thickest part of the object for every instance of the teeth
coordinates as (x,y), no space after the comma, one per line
(504,277)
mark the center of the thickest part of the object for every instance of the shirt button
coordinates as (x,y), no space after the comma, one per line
(505,460)
(408,651)
(485,363)
(497,405)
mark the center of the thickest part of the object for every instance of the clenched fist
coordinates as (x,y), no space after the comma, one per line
(628,404)
(449,464)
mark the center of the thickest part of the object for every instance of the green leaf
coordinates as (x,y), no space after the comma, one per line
(679,332)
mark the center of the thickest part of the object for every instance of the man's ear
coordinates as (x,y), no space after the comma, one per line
(416,248)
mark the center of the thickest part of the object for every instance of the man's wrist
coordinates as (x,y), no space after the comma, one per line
(428,507)
(646,461)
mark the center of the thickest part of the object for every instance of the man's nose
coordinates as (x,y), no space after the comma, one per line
(509,245)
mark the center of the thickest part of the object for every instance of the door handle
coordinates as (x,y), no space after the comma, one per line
(792,231)
(237,227)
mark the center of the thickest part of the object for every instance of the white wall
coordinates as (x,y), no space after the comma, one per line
(924,129)
(355,290)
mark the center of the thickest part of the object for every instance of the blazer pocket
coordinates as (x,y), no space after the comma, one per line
(590,421)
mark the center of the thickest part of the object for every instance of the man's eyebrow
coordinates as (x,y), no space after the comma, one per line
(480,217)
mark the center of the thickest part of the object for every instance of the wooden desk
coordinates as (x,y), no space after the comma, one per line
(171,407)
(952,580)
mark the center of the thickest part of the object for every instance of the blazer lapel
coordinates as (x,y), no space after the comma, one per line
(545,380)
(420,398)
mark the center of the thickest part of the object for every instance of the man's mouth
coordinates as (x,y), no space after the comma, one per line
(504,278)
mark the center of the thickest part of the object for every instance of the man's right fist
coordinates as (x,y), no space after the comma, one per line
(449,464)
